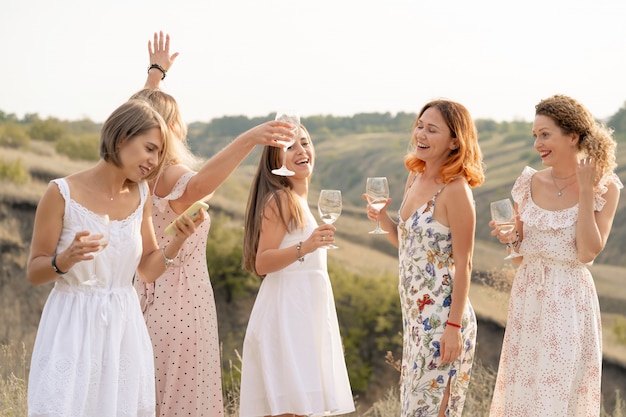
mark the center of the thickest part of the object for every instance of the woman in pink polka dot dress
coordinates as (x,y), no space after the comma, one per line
(551,357)
(179,308)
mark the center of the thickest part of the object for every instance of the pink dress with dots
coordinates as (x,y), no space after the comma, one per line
(179,309)
(551,357)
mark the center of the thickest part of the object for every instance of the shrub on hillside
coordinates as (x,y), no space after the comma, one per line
(84,147)
(14,171)
(13,135)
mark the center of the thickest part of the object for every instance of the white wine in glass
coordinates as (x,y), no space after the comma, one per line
(103,239)
(377,192)
(503,215)
(329,208)
(293,118)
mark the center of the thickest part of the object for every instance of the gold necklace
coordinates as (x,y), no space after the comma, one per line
(559,191)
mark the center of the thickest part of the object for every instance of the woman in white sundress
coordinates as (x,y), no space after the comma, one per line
(435,238)
(92,354)
(179,307)
(293,361)
(551,358)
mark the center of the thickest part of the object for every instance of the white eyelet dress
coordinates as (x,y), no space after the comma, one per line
(92,355)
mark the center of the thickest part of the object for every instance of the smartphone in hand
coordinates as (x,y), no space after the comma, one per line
(192,212)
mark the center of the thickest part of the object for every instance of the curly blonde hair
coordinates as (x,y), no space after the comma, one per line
(594,138)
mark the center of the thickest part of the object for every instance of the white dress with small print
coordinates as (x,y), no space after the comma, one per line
(293,359)
(551,358)
(92,355)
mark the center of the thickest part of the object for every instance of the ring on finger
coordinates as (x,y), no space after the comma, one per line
(323,238)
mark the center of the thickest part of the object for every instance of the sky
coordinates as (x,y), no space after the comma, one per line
(75,59)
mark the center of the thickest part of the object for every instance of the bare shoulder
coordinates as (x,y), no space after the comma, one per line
(169,177)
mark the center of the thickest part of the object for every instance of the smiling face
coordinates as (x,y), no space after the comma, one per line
(432,137)
(552,144)
(301,155)
(140,155)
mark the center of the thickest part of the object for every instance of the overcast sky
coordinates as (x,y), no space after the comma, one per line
(73,59)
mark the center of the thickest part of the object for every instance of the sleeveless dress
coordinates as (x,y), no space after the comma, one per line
(551,357)
(426,271)
(92,354)
(179,309)
(293,358)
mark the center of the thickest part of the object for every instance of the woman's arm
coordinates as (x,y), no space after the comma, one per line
(217,169)
(461,216)
(46,233)
(153,260)
(271,258)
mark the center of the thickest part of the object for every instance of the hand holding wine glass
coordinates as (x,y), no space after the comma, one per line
(377,193)
(293,118)
(503,216)
(329,207)
(102,238)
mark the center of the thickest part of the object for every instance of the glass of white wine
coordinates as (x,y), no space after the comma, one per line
(293,118)
(102,236)
(503,215)
(329,208)
(377,192)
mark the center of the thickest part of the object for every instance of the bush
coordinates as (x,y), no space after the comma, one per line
(13,136)
(84,147)
(14,171)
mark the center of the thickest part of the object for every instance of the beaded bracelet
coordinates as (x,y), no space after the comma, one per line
(160,68)
(449,323)
(299,257)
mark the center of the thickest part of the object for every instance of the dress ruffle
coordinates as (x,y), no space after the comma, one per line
(555,219)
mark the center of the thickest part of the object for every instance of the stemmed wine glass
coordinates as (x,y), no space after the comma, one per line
(103,239)
(377,192)
(293,118)
(503,215)
(329,207)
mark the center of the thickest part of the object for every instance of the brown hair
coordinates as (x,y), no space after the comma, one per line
(131,119)
(465,161)
(266,187)
(594,138)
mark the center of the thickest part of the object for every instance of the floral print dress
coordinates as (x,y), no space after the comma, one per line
(426,282)
(551,357)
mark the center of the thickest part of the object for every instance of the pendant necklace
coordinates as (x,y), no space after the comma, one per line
(559,191)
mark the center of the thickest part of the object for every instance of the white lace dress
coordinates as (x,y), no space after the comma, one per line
(293,358)
(92,355)
(551,357)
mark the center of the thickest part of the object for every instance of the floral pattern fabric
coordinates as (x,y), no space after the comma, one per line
(426,283)
(551,357)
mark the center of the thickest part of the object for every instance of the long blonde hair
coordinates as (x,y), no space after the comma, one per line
(266,187)
(466,161)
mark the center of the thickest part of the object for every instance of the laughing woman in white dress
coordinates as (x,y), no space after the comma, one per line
(92,354)
(551,361)
(293,361)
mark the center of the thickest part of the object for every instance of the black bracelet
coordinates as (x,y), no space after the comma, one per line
(55,267)
(160,68)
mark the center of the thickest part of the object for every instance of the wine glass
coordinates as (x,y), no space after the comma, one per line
(329,207)
(103,229)
(503,215)
(293,118)
(377,192)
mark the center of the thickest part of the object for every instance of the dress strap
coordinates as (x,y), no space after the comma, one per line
(64,189)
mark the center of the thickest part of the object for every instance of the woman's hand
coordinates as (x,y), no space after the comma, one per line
(270,133)
(504,237)
(586,174)
(322,236)
(374,214)
(450,345)
(160,51)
